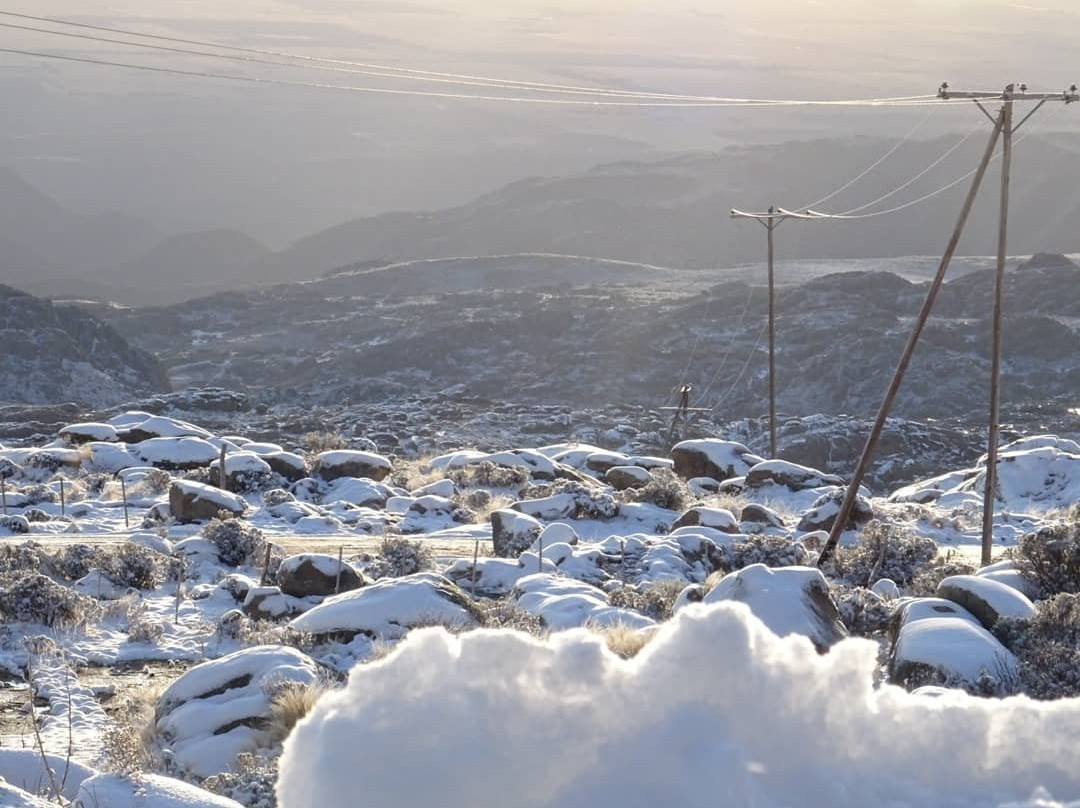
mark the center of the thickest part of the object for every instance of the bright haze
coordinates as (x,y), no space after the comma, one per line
(272,164)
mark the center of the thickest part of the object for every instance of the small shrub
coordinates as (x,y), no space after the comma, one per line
(489,475)
(862,612)
(1047,646)
(251,782)
(399,557)
(36,515)
(132,565)
(156,481)
(883,551)
(75,561)
(277,496)
(318,442)
(237,542)
(24,557)
(665,489)
(623,640)
(1050,557)
(772,551)
(38,599)
(141,628)
(589,502)
(37,494)
(503,613)
(656,600)
(925,582)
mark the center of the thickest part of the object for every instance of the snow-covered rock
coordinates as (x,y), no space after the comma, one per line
(388,609)
(789,600)
(108,458)
(220,708)
(194,502)
(79,434)
(1006,572)
(756,513)
(243,470)
(622,477)
(789,475)
(564,603)
(824,510)
(158,426)
(716,518)
(310,574)
(363,493)
(175,454)
(719,459)
(557,506)
(289,465)
(939,637)
(988,600)
(345,463)
(512,532)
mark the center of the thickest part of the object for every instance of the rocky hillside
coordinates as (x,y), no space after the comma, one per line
(57,353)
(557,330)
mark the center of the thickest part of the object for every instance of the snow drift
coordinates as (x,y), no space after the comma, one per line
(716,710)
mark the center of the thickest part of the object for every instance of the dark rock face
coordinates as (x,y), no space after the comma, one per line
(60,353)
(311,574)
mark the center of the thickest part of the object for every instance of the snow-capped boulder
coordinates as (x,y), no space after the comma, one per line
(344,463)
(439,488)
(539,466)
(158,426)
(939,639)
(310,574)
(623,477)
(757,514)
(789,600)
(1006,572)
(719,459)
(220,708)
(118,791)
(289,465)
(429,513)
(269,603)
(78,434)
(557,506)
(789,475)
(986,599)
(195,502)
(14,525)
(388,609)
(244,471)
(716,518)
(822,514)
(96,584)
(108,458)
(495,577)
(563,603)
(886,589)
(175,454)
(603,461)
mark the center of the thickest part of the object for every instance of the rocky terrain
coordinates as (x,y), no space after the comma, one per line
(55,353)
(243,584)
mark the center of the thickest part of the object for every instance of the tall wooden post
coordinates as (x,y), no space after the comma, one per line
(772,339)
(990,489)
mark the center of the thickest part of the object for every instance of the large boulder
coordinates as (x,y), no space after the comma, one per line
(175,454)
(623,477)
(937,641)
(145,790)
(758,514)
(344,463)
(719,459)
(156,426)
(986,599)
(79,434)
(389,609)
(822,514)
(789,475)
(788,600)
(309,574)
(290,466)
(221,708)
(716,518)
(563,603)
(190,501)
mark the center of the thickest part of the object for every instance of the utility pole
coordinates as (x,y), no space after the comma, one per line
(770,220)
(1004,129)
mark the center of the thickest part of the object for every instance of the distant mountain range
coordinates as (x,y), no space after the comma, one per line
(669,212)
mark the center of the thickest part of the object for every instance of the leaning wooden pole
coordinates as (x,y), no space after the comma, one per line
(990,489)
(905,359)
(772,341)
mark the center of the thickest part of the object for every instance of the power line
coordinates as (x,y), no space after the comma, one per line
(453,78)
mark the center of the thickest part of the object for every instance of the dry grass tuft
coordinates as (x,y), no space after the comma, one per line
(622,640)
(290,704)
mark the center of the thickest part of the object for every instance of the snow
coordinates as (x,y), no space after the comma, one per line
(116,791)
(955,645)
(1002,600)
(724,454)
(386,609)
(24,768)
(163,427)
(109,457)
(201,491)
(244,461)
(90,431)
(716,710)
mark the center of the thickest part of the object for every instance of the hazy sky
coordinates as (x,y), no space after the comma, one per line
(279,162)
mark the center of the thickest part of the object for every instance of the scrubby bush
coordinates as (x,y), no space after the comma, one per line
(925,582)
(398,557)
(655,600)
(665,489)
(772,551)
(132,565)
(39,493)
(1050,557)
(277,496)
(883,551)
(250,783)
(156,481)
(74,561)
(15,524)
(862,612)
(504,613)
(237,542)
(25,557)
(38,599)
(1047,646)
(489,475)
(33,515)
(317,442)
(41,466)
(622,640)
(589,502)
(141,627)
